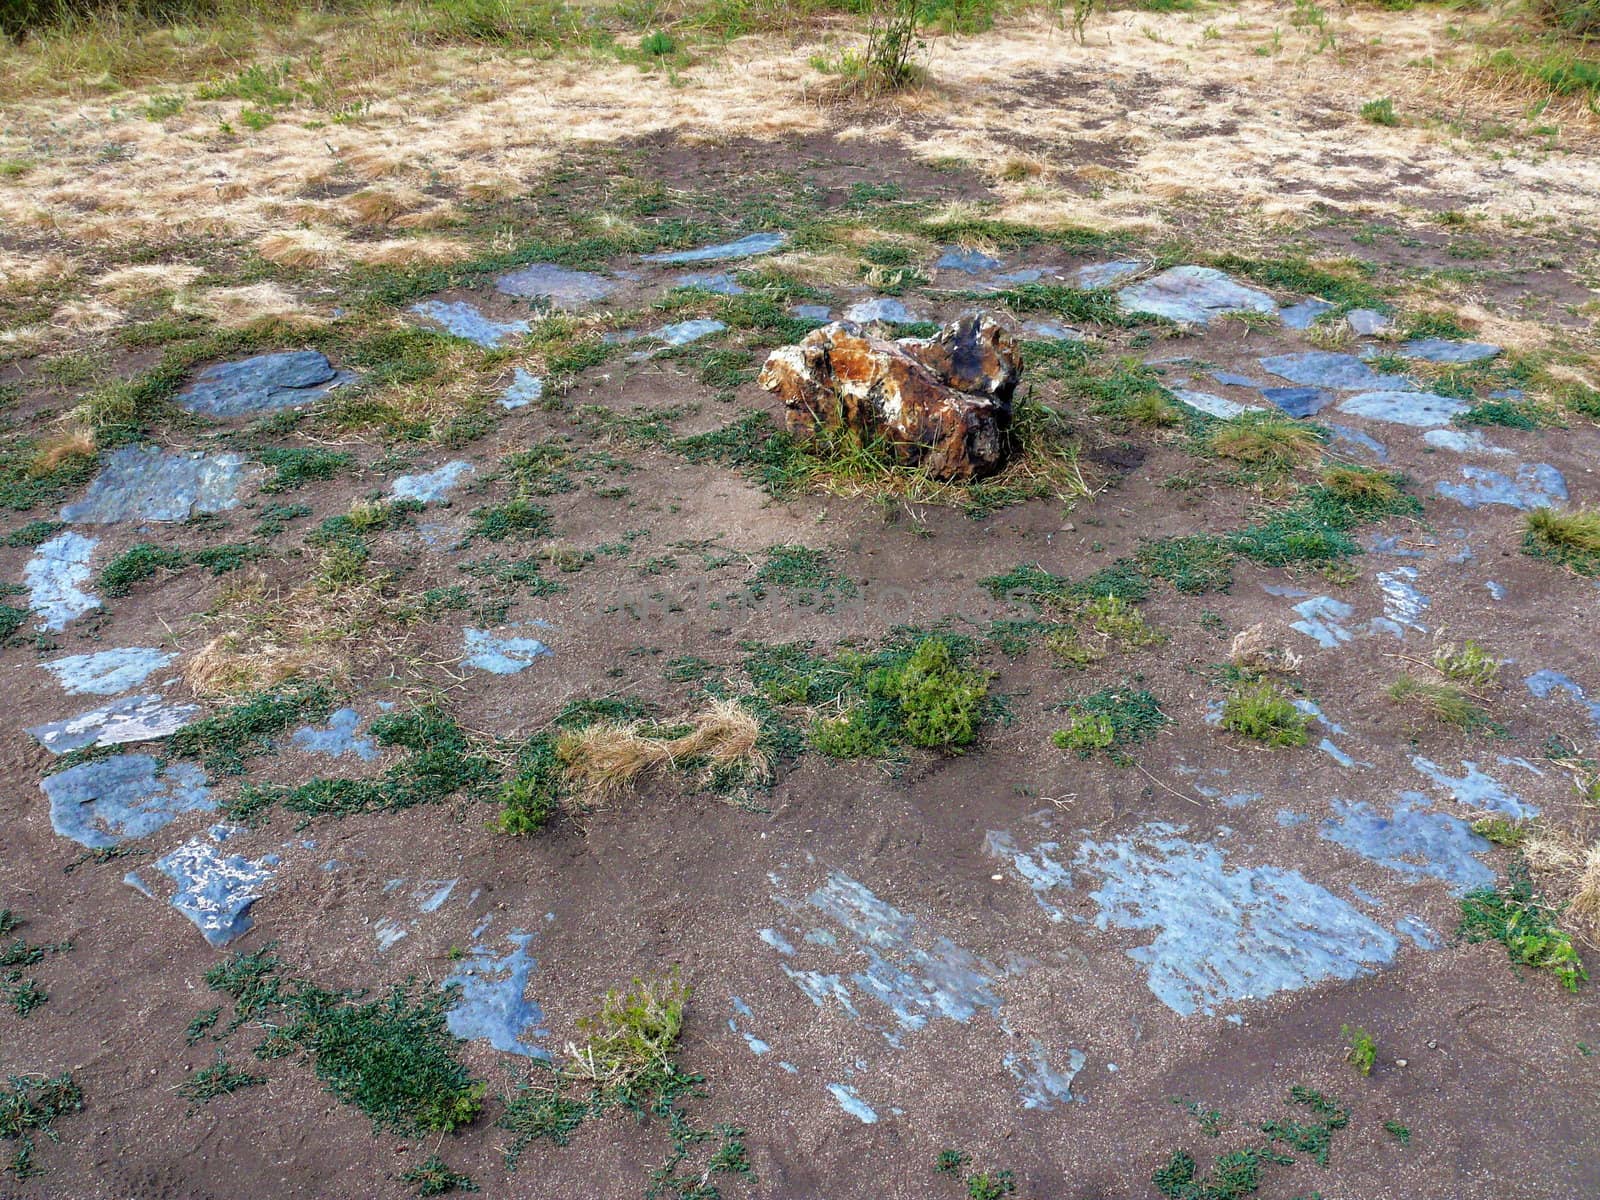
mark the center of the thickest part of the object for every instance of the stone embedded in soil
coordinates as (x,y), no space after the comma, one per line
(216,890)
(1544,682)
(1537,485)
(1193,296)
(1051,331)
(1212,404)
(1324,369)
(55,577)
(1402,603)
(1420,409)
(684,332)
(811,312)
(108,801)
(560,286)
(942,404)
(1044,1086)
(1304,314)
(1234,379)
(494,1006)
(969,262)
(522,391)
(430,487)
(1461,441)
(746,247)
(262,383)
(850,1100)
(885,309)
(720,283)
(1298,401)
(337,738)
(145,483)
(467,321)
(1477,790)
(1365,443)
(1367,322)
(107,672)
(1413,841)
(134,719)
(500,652)
(1440,350)
(1103,275)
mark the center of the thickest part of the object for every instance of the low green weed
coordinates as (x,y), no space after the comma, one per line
(1266,713)
(1514,915)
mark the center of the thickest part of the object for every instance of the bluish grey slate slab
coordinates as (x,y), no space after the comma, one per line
(560,285)
(262,383)
(1542,683)
(1477,790)
(1403,604)
(970,262)
(1461,441)
(215,889)
(1413,841)
(1101,275)
(463,320)
(134,719)
(57,576)
(880,309)
(500,652)
(1304,314)
(1043,1085)
(812,312)
(1439,350)
(107,672)
(522,391)
(1234,379)
(1420,409)
(111,800)
(746,247)
(144,483)
(337,738)
(1537,485)
(430,486)
(1361,441)
(1367,322)
(720,283)
(1212,404)
(1298,401)
(494,1005)
(1322,368)
(849,1099)
(1051,331)
(1225,934)
(1194,296)
(684,332)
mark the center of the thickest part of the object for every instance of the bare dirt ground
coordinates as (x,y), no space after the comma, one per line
(1033,957)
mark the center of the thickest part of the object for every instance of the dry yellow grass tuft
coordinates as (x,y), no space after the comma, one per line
(61,448)
(604,759)
(236,307)
(382,205)
(400,252)
(1571,870)
(301,248)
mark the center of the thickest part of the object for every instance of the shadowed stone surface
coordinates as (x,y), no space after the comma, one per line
(216,890)
(1304,314)
(1051,331)
(1194,296)
(561,286)
(1298,401)
(1365,443)
(430,486)
(107,672)
(1438,350)
(144,483)
(463,320)
(522,391)
(811,312)
(1415,842)
(501,653)
(884,309)
(941,403)
(746,247)
(135,719)
(1537,485)
(55,577)
(721,283)
(1320,368)
(112,800)
(1044,1086)
(1225,934)
(258,384)
(971,262)
(494,1006)
(1420,409)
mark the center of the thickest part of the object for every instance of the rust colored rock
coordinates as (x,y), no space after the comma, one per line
(942,403)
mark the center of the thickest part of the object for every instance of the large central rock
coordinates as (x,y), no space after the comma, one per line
(942,403)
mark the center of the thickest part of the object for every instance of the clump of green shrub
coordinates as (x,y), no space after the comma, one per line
(1264,712)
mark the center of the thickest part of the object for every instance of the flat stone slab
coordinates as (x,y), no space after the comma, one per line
(1537,485)
(1298,401)
(494,1007)
(1363,442)
(720,283)
(1212,404)
(968,262)
(1441,350)
(1304,314)
(112,800)
(1479,790)
(1420,409)
(820,313)
(1103,275)
(108,672)
(463,320)
(1051,331)
(216,890)
(746,247)
(134,719)
(1461,441)
(523,390)
(684,332)
(1544,683)
(501,652)
(1412,841)
(882,308)
(1194,296)
(57,576)
(1368,322)
(145,483)
(1322,368)
(561,286)
(430,486)
(262,383)
(337,738)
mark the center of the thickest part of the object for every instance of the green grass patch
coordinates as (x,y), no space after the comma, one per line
(221,1078)
(1445,702)
(922,694)
(1522,921)
(34,533)
(1570,538)
(30,1105)
(1361,1048)
(1264,713)
(225,741)
(294,467)
(434,1178)
(1509,414)
(1110,720)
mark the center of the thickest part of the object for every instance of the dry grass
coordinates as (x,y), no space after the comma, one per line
(73,442)
(401,252)
(1261,650)
(1265,440)
(1570,870)
(301,248)
(603,760)
(236,307)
